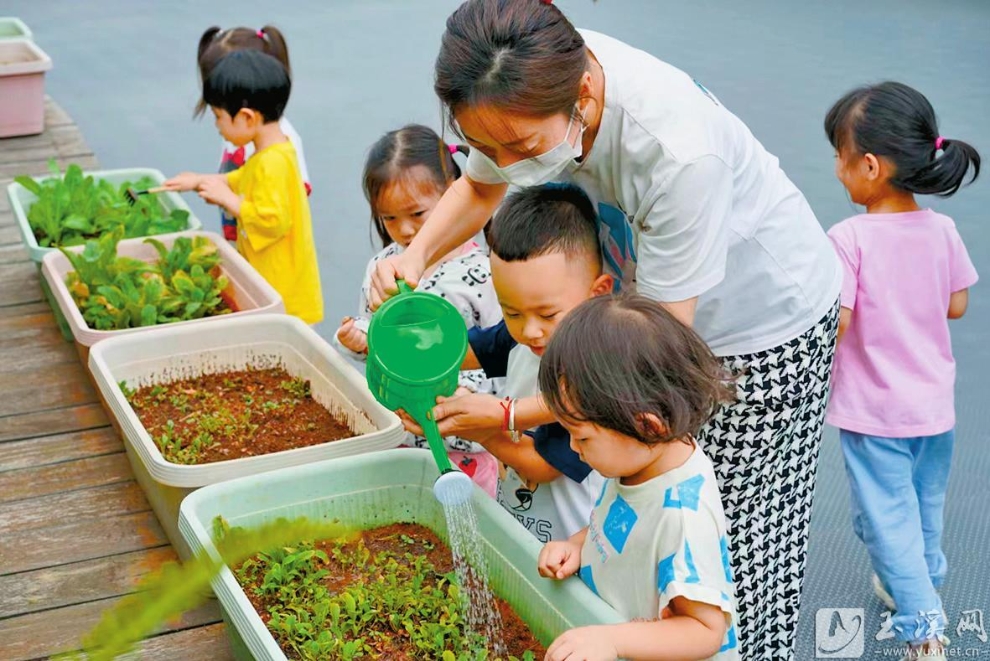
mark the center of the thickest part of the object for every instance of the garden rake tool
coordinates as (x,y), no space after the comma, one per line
(132,195)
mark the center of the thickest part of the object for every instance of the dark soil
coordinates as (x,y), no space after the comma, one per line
(403,540)
(230,415)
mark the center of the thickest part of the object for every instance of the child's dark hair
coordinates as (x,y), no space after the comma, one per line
(897,122)
(216,43)
(395,153)
(249,79)
(615,359)
(545,219)
(518,55)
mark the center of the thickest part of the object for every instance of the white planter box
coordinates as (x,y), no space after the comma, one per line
(12,27)
(182,351)
(250,292)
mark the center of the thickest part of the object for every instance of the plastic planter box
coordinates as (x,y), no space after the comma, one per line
(21,200)
(250,292)
(22,87)
(185,350)
(14,28)
(371,491)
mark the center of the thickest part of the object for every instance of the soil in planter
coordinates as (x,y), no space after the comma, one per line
(231,415)
(390,594)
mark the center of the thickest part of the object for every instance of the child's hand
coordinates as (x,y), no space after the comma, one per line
(559,559)
(217,191)
(185,181)
(584,644)
(352,337)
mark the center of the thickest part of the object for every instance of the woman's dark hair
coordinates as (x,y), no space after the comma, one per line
(545,219)
(395,153)
(249,79)
(517,55)
(216,43)
(897,122)
(614,359)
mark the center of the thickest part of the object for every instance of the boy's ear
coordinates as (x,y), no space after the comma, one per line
(602,285)
(252,117)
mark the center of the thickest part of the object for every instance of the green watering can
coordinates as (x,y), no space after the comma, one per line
(416,344)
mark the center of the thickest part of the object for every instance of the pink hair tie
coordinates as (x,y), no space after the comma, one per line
(261,34)
(938,142)
(452,149)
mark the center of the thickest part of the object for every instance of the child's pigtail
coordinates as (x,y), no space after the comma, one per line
(206,41)
(947,173)
(277,47)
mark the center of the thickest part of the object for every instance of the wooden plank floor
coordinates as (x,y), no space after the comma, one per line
(75,529)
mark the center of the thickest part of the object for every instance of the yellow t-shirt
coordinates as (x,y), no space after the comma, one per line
(275,232)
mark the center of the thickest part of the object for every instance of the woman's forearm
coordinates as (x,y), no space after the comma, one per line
(460,214)
(532,412)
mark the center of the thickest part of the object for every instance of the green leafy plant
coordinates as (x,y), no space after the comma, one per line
(74,207)
(115,292)
(395,602)
(175,588)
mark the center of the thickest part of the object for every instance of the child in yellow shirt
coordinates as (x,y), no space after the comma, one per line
(247,92)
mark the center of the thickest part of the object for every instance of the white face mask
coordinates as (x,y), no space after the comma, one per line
(538,170)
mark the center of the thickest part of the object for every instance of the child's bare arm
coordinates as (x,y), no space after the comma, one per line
(845,318)
(521,456)
(958,303)
(561,559)
(694,631)
(187,181)
(217,191)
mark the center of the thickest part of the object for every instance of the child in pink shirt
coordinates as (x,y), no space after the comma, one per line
(906,272)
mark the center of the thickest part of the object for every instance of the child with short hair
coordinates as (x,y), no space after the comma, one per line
(545,260)
(632,386)
(247,92)
(216,43)
(406,173)
(906,273)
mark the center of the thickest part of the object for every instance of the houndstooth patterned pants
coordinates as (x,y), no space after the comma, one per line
(765,447)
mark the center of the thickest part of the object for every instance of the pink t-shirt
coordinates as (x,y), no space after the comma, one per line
(894,372)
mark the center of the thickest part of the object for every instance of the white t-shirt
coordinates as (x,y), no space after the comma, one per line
(691,204)
(554,510)
(466,282)
(665,538)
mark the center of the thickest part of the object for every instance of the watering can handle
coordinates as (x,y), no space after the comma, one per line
(403,287)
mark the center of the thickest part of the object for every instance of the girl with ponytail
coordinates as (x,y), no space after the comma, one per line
(906,273)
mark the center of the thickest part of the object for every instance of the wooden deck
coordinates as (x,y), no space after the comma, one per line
(75,529)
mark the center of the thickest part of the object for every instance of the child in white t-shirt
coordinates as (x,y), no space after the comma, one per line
(406,173)
(214,44)
(546,260)
(633,385)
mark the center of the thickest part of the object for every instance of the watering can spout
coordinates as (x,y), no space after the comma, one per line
(453,488)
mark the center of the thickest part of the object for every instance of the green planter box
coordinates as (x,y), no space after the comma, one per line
(12,27)
(374,490)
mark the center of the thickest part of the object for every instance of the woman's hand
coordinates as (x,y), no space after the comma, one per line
(559,559)
(408,266)
(185,181)
(352,337)
(469,415)
(592,643)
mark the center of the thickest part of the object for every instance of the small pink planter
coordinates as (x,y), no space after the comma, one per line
(22,87)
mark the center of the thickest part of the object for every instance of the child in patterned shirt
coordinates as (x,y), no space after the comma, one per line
(656,546)
(406,173)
